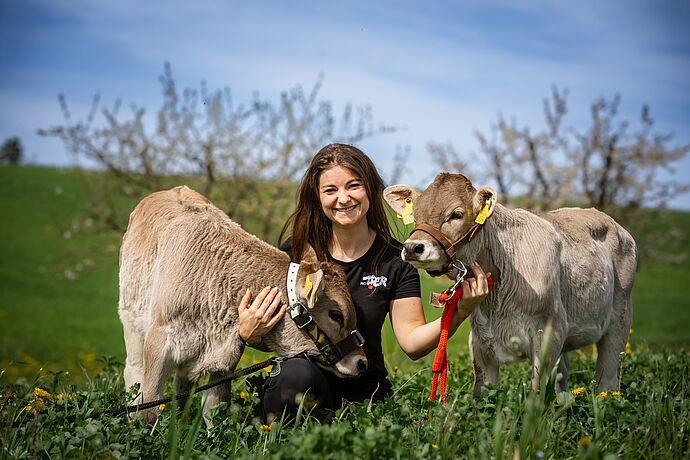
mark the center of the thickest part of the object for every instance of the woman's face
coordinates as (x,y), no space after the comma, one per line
(343,196)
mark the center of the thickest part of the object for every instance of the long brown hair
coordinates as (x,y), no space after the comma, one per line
(309,223)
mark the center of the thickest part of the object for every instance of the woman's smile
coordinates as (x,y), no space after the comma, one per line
(346,209)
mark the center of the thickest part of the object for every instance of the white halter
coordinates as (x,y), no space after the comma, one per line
(292,289)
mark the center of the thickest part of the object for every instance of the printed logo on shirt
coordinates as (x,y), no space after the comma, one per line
(372,281)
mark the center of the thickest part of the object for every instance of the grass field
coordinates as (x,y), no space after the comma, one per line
(648,419)
(58,282)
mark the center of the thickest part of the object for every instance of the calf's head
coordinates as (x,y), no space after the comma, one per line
(450,205)
(322,287)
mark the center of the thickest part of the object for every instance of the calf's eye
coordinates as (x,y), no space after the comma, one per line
(336,316)
(457,214)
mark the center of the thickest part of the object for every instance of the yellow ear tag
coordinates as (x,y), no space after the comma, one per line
(407,216)
(307,287)
(484,213)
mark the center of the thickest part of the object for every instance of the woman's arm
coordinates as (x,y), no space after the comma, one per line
(417,337)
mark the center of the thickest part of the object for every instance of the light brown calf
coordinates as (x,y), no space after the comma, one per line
(184,266)
(573,268)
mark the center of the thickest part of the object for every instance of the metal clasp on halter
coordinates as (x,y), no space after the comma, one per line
(358,337)
(299,311)
(311,320)
(459,278)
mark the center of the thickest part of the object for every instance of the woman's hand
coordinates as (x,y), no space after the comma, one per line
(259,317)
(474,290)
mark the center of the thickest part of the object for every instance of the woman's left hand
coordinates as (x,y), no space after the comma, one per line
(257,319)
(474,290)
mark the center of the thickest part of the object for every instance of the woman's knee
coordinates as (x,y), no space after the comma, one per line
(296,380)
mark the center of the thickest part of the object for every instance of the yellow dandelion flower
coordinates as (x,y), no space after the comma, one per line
(603,394)
(395,368)
(631,331)
(34,407)
(584,441)
(41,393)
(434,446)
(255,361)
(628,348)
(161,407)
(577,391)
(265,427)
(244,394)
(616,393)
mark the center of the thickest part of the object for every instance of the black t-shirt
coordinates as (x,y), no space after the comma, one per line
(372,289)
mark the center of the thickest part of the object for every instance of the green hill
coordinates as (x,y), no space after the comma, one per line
(58,282)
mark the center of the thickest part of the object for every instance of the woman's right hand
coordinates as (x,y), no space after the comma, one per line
(474,290)
(259,317)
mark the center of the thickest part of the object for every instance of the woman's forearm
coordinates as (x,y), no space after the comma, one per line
(424,338)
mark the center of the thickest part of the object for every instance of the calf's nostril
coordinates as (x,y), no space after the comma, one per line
(414,249)
(362,365)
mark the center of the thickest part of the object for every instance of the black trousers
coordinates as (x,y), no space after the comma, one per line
(300,378)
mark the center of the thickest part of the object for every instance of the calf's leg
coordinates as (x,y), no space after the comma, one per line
(215,395)
(561,383)
(611,346)
(548,351)
(134,364)
(157,367)
(485,369)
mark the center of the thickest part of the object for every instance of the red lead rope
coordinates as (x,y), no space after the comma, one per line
(440,366)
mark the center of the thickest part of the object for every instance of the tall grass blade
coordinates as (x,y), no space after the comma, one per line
(191,437)
(173,435)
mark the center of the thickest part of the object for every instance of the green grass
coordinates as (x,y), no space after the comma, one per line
(661,306)
(58,282)
(650,418)
(58,277)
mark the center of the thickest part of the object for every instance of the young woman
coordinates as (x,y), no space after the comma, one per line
(340,213)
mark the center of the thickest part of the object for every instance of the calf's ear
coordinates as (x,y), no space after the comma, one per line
(308,254)
(399,196)
(311,287)
(482,197)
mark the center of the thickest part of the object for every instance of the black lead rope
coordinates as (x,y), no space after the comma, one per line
(181,397)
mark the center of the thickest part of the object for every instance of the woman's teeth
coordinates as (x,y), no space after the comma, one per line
(349,208)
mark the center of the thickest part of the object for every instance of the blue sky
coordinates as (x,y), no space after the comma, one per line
(439,69)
